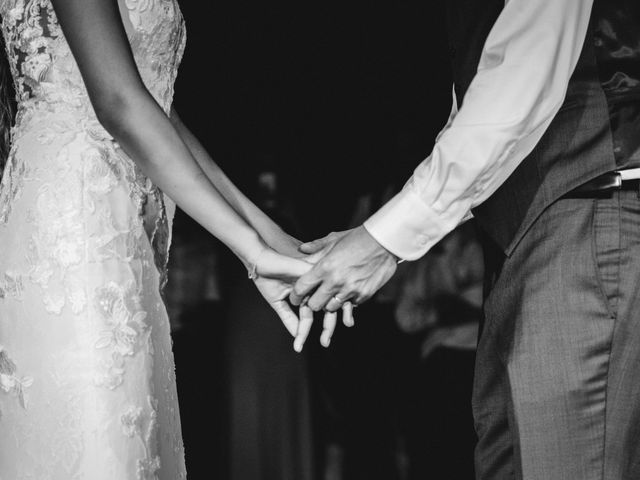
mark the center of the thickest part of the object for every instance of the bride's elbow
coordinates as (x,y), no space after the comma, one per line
(114,111)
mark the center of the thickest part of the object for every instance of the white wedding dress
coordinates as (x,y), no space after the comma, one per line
(87,383)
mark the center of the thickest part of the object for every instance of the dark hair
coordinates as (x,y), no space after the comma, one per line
(7,105)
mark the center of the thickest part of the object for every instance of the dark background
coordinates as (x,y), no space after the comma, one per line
(341,98)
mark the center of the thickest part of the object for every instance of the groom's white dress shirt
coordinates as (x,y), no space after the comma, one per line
(522,79)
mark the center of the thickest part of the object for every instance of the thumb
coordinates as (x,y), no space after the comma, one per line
(315,246)
(275,265)
(316,257)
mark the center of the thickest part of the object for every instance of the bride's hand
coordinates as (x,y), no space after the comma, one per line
(274,277)
(286,245)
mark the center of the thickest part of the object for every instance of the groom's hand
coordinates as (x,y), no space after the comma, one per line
(353,268)
(318,248)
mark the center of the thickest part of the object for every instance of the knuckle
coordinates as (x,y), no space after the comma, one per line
(351,287)
(335,279)
(330,263)
(314,305)
(323,266)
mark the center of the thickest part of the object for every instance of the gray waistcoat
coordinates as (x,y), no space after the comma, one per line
(597,130)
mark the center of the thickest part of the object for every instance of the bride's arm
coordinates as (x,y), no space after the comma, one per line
(94,31)
(97,38)
(275,237)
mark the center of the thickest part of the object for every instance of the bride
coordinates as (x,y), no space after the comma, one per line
(97,159)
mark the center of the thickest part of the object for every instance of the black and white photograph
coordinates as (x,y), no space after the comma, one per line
(320,241)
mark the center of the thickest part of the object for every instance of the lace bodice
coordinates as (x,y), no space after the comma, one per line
(45,73)
(52,97)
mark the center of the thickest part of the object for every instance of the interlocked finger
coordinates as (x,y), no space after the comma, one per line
(336,302)
(304,327)
(289,319)
(324,298)
(303,287)
(328,327)
(347,314)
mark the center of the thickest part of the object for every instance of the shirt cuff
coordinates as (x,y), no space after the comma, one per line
(408,227)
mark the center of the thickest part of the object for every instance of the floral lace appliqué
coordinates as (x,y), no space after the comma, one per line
(11,286)
(13,179)
(124,323)
(142,423)
(148,468)
(132,422)
(10,382)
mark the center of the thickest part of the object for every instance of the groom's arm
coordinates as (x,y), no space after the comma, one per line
(522,79)
(521,83)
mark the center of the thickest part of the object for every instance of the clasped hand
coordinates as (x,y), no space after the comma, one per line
(340,270)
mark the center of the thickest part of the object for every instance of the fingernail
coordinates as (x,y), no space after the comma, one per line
(297,346)
(325,341)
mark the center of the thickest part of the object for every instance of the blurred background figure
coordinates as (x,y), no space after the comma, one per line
(440,306)
(362,374)
(248,415)
(398,385)
(271,435)
(196,308)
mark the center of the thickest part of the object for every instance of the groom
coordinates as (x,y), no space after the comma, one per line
(543,145)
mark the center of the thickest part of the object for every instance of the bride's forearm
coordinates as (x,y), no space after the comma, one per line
(125,107)
(147,136)
(265,226)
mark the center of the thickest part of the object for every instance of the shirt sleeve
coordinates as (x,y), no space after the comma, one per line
(521,82)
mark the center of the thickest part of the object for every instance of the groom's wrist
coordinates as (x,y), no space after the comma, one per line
(407,227)
(392,255)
